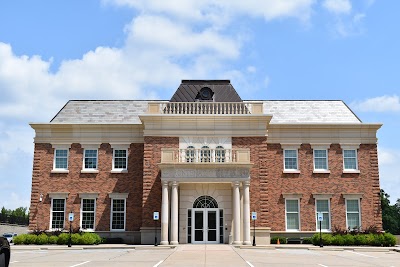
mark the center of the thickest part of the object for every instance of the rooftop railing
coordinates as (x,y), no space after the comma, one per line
(209,108)
(205,155)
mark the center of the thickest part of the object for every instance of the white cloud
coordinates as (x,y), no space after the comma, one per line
(388,171)
(251,69)
(378,104)
(337,6)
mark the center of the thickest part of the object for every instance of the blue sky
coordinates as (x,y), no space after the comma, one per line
(54,51)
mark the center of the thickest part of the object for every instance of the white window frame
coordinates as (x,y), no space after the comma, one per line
(57,196)
(350,147)
(120,147)
(321,147)
(91,196)
(60,147)
(117,196)
(329,214)
(359,212)
(298,215)
(295,147)
(90,147)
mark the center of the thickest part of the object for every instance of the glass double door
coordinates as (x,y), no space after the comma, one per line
(205,226)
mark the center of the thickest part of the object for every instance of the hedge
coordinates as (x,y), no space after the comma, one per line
(282,240)
(62,239)
(377,240)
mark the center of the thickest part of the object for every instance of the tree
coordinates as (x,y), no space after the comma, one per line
(390,214)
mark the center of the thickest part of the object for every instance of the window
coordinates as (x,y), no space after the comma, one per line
(353,213)
(118,214)
(60,159)
(322,205)
(290,159)
(350,159)
(190,154)
(205,154)
(292,215)
(220,154)
(90,159)
(320,159)
(120,159)
(88,213)
(57,213)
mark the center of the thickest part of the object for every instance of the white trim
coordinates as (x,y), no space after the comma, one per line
(329,215)
(111,213)
(87,196)
(61,145)
(58,194)
(118,195)
(60,170)
(356,170)
(320,146)
(119,170)
(90,170)
(298,215)
(205,225)
(359,211)
(349,146)
(322,195)
(297,160)
(51,212)
(326,160)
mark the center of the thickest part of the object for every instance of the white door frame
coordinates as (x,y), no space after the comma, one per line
(205,225)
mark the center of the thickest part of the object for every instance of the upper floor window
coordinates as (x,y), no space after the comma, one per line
(350,159)
(290,159)
(220,154)
(205,154)
(190,154)
(120,159)
(61,159)
(320,159)
(90,159)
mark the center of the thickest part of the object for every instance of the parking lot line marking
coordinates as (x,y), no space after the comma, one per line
(158,264)
(251,265)
(322,265)
(361,254)
(82,263)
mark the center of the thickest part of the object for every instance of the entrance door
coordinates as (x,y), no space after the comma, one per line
(206,226)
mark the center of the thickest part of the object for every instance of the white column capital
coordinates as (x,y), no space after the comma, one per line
(236,184)
(174,184)
(165,183)
(246,183)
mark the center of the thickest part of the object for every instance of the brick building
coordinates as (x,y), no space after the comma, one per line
(205,160)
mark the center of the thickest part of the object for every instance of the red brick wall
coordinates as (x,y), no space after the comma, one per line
(152,176)
(104,182)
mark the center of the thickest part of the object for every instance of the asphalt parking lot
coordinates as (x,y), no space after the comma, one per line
(200,255)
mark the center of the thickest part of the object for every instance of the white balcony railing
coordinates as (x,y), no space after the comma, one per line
(205,108)
(205,155)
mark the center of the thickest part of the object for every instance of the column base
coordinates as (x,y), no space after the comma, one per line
(164,243)
(174,243)
(246,243)
(236,242)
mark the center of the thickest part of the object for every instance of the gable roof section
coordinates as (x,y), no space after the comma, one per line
(101,111)
(223,91)
(309,111)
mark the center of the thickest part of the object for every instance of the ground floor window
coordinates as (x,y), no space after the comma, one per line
(353,213)
(118,211)
(88,214)
(322,206)
(57,213)
(292,215)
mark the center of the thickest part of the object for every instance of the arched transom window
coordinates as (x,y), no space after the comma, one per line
(205,202)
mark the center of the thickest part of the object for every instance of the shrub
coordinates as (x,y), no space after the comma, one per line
(30,239)
(307,240)
(385,239)
(42,239)
(282,240)
(63,239)
(349,240)
(53,239)
(389,240)
(19,239)
(76,239)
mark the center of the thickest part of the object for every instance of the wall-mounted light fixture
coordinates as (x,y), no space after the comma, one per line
(41,197)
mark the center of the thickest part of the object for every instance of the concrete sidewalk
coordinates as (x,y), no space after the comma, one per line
(152,247)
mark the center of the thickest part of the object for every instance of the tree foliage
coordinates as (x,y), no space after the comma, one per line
(17,216)
(390,214)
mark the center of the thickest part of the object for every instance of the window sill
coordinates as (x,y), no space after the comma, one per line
(59,171)
(89,171)
(291,171)
(119,171)
(351,171)
(87,230)
(321,171)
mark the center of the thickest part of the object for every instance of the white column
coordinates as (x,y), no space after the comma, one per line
(246,213)
(174,214)
(236,213)
(164,214)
